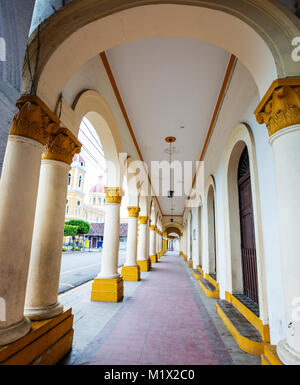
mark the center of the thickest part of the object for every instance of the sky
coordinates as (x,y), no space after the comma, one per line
(93,154)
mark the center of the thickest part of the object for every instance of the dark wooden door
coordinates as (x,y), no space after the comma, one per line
(249,261)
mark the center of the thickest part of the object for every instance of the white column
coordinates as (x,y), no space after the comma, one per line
(18,192)
(110,254)
(153,242)
(45,260)
(188,243)
(131,256)
(286,145)
(142,245)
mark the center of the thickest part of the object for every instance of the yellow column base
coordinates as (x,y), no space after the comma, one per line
(189,264)
(153,258)
(131,273)
(46,344)
(144,265)
(107,290)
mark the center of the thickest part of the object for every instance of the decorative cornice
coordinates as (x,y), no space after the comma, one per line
(113,195)
(143,220)
(280,107)
(34,120)
(62,146)
(133,212)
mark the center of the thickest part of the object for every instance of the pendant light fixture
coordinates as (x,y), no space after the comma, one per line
(170,140)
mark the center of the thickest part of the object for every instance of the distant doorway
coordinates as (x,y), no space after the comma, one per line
(248,245)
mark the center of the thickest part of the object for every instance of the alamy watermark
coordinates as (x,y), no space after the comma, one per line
(296,50)
(2,49)
(2,310)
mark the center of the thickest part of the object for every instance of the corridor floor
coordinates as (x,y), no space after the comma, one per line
(164,320)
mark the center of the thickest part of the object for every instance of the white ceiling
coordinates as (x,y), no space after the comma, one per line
(167,83)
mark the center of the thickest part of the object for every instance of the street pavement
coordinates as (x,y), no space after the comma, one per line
(78,268)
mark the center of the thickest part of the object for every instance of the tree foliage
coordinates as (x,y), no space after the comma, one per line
(82,226)
(70,231)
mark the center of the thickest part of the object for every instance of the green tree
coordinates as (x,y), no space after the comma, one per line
(82,226)
(70,231)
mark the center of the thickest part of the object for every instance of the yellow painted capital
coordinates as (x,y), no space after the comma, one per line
(153,228)
(143,220)
(280,107)
(133,212)
(34,120)
(113,195)
(62,146)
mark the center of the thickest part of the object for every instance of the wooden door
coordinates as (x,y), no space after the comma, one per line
(249,261)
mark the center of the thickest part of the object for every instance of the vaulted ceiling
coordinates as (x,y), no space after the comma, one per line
(169,87)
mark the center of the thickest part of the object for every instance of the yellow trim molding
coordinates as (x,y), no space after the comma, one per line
(189,264)
(46,344)
(270,357)
(131,273)
(280,107)
(250,317)
(197,275)
(113,195)
(209,293)
(107,290)
(247,345)
(212,281)
(133,212)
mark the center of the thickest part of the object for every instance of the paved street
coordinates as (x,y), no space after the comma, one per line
(78,268)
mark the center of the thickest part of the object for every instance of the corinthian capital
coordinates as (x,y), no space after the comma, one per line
(34,120)
(280,108)
(133,212)
(113,195)
(62,146)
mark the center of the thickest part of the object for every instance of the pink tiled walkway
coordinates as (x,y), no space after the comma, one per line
(164,324)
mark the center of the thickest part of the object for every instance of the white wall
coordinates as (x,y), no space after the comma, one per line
(240,102)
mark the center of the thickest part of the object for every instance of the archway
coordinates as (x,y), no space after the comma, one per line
(241,138)
(264,31)
(211,228)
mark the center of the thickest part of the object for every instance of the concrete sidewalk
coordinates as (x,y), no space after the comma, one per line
(165,319)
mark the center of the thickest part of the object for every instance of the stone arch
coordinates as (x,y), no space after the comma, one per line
(93,106)
(264,31)
(240,138)
(211,227)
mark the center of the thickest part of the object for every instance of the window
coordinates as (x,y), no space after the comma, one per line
(86,216)
(78,203)
(67,209)
(80,181)
(97,220)
(69,179)
(81,164)
(94,201)
(99,201)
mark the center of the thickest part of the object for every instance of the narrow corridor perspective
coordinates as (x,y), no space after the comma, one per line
(165,319)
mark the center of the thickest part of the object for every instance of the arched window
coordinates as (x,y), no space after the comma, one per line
(99,201)
(78,203)
(80,181)
(97,220)
(69,179)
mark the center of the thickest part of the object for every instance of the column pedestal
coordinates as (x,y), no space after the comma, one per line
(143,261)
(108,286)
